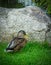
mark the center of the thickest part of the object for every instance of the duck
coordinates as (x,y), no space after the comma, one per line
(17,42)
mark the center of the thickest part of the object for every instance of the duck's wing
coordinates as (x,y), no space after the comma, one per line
(11,44)
(16,42)
(20,42)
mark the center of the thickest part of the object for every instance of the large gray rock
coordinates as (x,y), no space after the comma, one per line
(30,19)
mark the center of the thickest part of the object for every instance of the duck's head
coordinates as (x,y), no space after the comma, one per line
(22,34)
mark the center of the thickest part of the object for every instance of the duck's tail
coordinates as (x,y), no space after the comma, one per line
(8,50)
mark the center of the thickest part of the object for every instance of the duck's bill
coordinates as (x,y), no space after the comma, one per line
(26,36)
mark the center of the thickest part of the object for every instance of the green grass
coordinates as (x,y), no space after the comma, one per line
(32,54)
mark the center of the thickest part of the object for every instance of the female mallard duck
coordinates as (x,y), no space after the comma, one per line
(18,42)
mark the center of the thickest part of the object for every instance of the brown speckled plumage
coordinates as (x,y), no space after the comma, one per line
(17,43)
